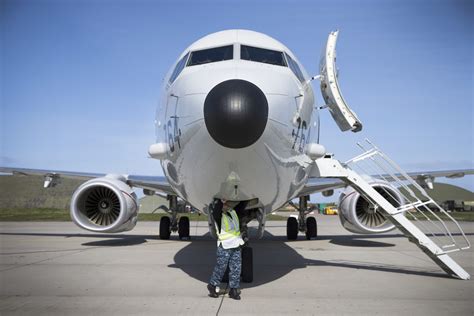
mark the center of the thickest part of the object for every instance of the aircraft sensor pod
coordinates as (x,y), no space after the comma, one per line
(315,151)
(158,150)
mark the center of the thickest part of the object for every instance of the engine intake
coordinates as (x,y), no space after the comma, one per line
(106,205)
(357,215)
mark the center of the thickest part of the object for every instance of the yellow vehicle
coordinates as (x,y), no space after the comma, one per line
(330,210)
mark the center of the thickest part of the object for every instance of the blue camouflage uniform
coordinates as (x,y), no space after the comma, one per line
(228,253)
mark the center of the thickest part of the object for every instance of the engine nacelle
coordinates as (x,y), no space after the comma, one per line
(359,216)
(105,205)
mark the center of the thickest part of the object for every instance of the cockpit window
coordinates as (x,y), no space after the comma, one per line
(295,68)
(179,67)
(211,55)
(262,55)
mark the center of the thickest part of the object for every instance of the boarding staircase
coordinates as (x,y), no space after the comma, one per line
(418,217)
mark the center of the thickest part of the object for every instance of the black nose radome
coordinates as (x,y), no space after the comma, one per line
(236,113)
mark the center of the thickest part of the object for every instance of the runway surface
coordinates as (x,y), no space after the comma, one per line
(51,268)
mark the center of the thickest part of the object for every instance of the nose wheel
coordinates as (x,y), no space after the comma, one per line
(247,264)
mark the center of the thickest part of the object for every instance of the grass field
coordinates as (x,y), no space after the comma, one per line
(58,215)
(459,216)
(47,214)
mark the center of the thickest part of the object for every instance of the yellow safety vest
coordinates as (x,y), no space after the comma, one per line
(229,236)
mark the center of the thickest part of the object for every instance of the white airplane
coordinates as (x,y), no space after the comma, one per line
(237,121)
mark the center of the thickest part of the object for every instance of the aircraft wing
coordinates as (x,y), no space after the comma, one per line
(424,178)
(315,185)
(441,173)
(156,183)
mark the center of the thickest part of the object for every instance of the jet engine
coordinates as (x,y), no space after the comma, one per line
(105,205)
(359,216)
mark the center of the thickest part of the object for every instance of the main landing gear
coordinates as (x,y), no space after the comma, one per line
(168,225)
(307,225)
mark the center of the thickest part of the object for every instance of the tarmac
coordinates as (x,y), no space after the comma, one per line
(55,268)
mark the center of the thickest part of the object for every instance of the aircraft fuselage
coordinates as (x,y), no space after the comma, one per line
(235,127)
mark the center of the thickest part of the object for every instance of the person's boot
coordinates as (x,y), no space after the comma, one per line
(212,291)
(234,294)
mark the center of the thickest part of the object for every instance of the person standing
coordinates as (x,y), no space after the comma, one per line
(229,241)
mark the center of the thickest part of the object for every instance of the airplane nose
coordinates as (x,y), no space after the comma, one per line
(236,113)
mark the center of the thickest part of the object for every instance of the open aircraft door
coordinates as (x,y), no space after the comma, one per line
(345,118)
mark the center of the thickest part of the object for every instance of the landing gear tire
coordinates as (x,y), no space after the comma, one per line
(183,227)
(311,228)
(292,228)
(165,227)
(247,264)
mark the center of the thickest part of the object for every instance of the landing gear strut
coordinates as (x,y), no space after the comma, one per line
(302,224)
(168,225)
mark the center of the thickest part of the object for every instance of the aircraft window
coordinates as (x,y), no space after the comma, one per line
(295,68)
(262,55)
(211,55)
(179,67)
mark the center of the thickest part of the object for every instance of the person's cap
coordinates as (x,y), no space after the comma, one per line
(230,203)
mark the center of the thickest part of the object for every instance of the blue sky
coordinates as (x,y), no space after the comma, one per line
(80,80)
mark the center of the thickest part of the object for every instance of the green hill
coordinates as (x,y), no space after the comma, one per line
(150,204)
(28,192)
(443,192)
(24,199)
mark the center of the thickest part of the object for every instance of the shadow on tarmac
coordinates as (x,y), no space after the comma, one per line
(273,257)
(117,240)
(353,242)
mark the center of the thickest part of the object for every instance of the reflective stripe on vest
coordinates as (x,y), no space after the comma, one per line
(229,230)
